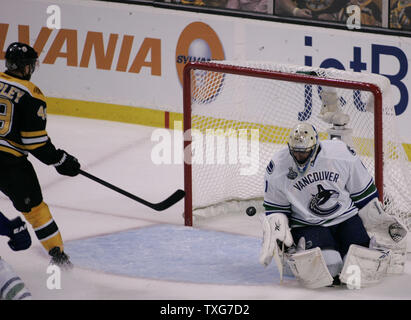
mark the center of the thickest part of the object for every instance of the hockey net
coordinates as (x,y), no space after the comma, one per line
(240,113)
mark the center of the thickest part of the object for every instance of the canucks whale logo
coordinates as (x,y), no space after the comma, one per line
(324,203)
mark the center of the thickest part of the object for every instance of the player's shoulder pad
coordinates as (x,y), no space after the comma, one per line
(337,149)
(25,85)
(278,162)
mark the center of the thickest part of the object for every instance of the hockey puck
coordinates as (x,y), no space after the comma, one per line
(251,211)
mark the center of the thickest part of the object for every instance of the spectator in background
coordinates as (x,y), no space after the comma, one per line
(215,3)
(327,10)
(371,14)
(248,5)
(192,2)
(244,5)
(400,15)
(204,3)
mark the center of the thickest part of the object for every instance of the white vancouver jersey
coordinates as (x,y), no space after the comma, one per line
(334,185)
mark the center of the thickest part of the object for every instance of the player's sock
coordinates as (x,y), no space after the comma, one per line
(45,227)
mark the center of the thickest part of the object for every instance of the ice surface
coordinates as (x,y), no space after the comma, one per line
(124,250)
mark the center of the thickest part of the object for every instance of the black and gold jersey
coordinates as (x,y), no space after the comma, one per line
(23,120)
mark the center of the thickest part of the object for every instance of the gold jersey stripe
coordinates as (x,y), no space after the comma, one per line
(30,134)
(26,147)
(12,151)
(25,85)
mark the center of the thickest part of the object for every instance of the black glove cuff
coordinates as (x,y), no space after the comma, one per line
(48,154)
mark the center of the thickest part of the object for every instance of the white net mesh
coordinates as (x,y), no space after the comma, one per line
(231,113)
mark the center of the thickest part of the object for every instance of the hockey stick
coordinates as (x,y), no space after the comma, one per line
(282,263)
(279,259)
(171,200)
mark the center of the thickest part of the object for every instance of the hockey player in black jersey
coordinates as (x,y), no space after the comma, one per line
(23,131)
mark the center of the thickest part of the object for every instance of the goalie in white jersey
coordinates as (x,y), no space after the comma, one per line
(313,193)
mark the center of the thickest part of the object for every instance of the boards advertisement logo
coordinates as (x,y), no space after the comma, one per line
(199,42)
(67,45)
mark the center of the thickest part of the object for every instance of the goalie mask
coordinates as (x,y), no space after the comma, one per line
(303,144)
(22,59)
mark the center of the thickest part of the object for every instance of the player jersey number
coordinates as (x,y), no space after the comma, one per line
(6,113)
(42,113)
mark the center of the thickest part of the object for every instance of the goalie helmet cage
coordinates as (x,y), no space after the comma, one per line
(227,98)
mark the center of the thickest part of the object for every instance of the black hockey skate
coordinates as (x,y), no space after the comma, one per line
(60,259)
(337,281)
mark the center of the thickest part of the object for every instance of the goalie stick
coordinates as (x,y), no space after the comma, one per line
(165,204)
(278,256)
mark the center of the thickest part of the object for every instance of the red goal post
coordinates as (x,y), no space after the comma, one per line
(215,80)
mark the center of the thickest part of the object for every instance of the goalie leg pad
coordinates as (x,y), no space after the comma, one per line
(364,267)
(310,269)
(398,256)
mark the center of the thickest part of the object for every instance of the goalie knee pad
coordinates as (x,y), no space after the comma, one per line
(364,267)
(310,269)
(45,227)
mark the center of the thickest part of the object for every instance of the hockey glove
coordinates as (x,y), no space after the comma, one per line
(275,232)
(19,236)
(68,165)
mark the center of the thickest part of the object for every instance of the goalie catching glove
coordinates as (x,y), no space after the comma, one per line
(276,232)
(389,234)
